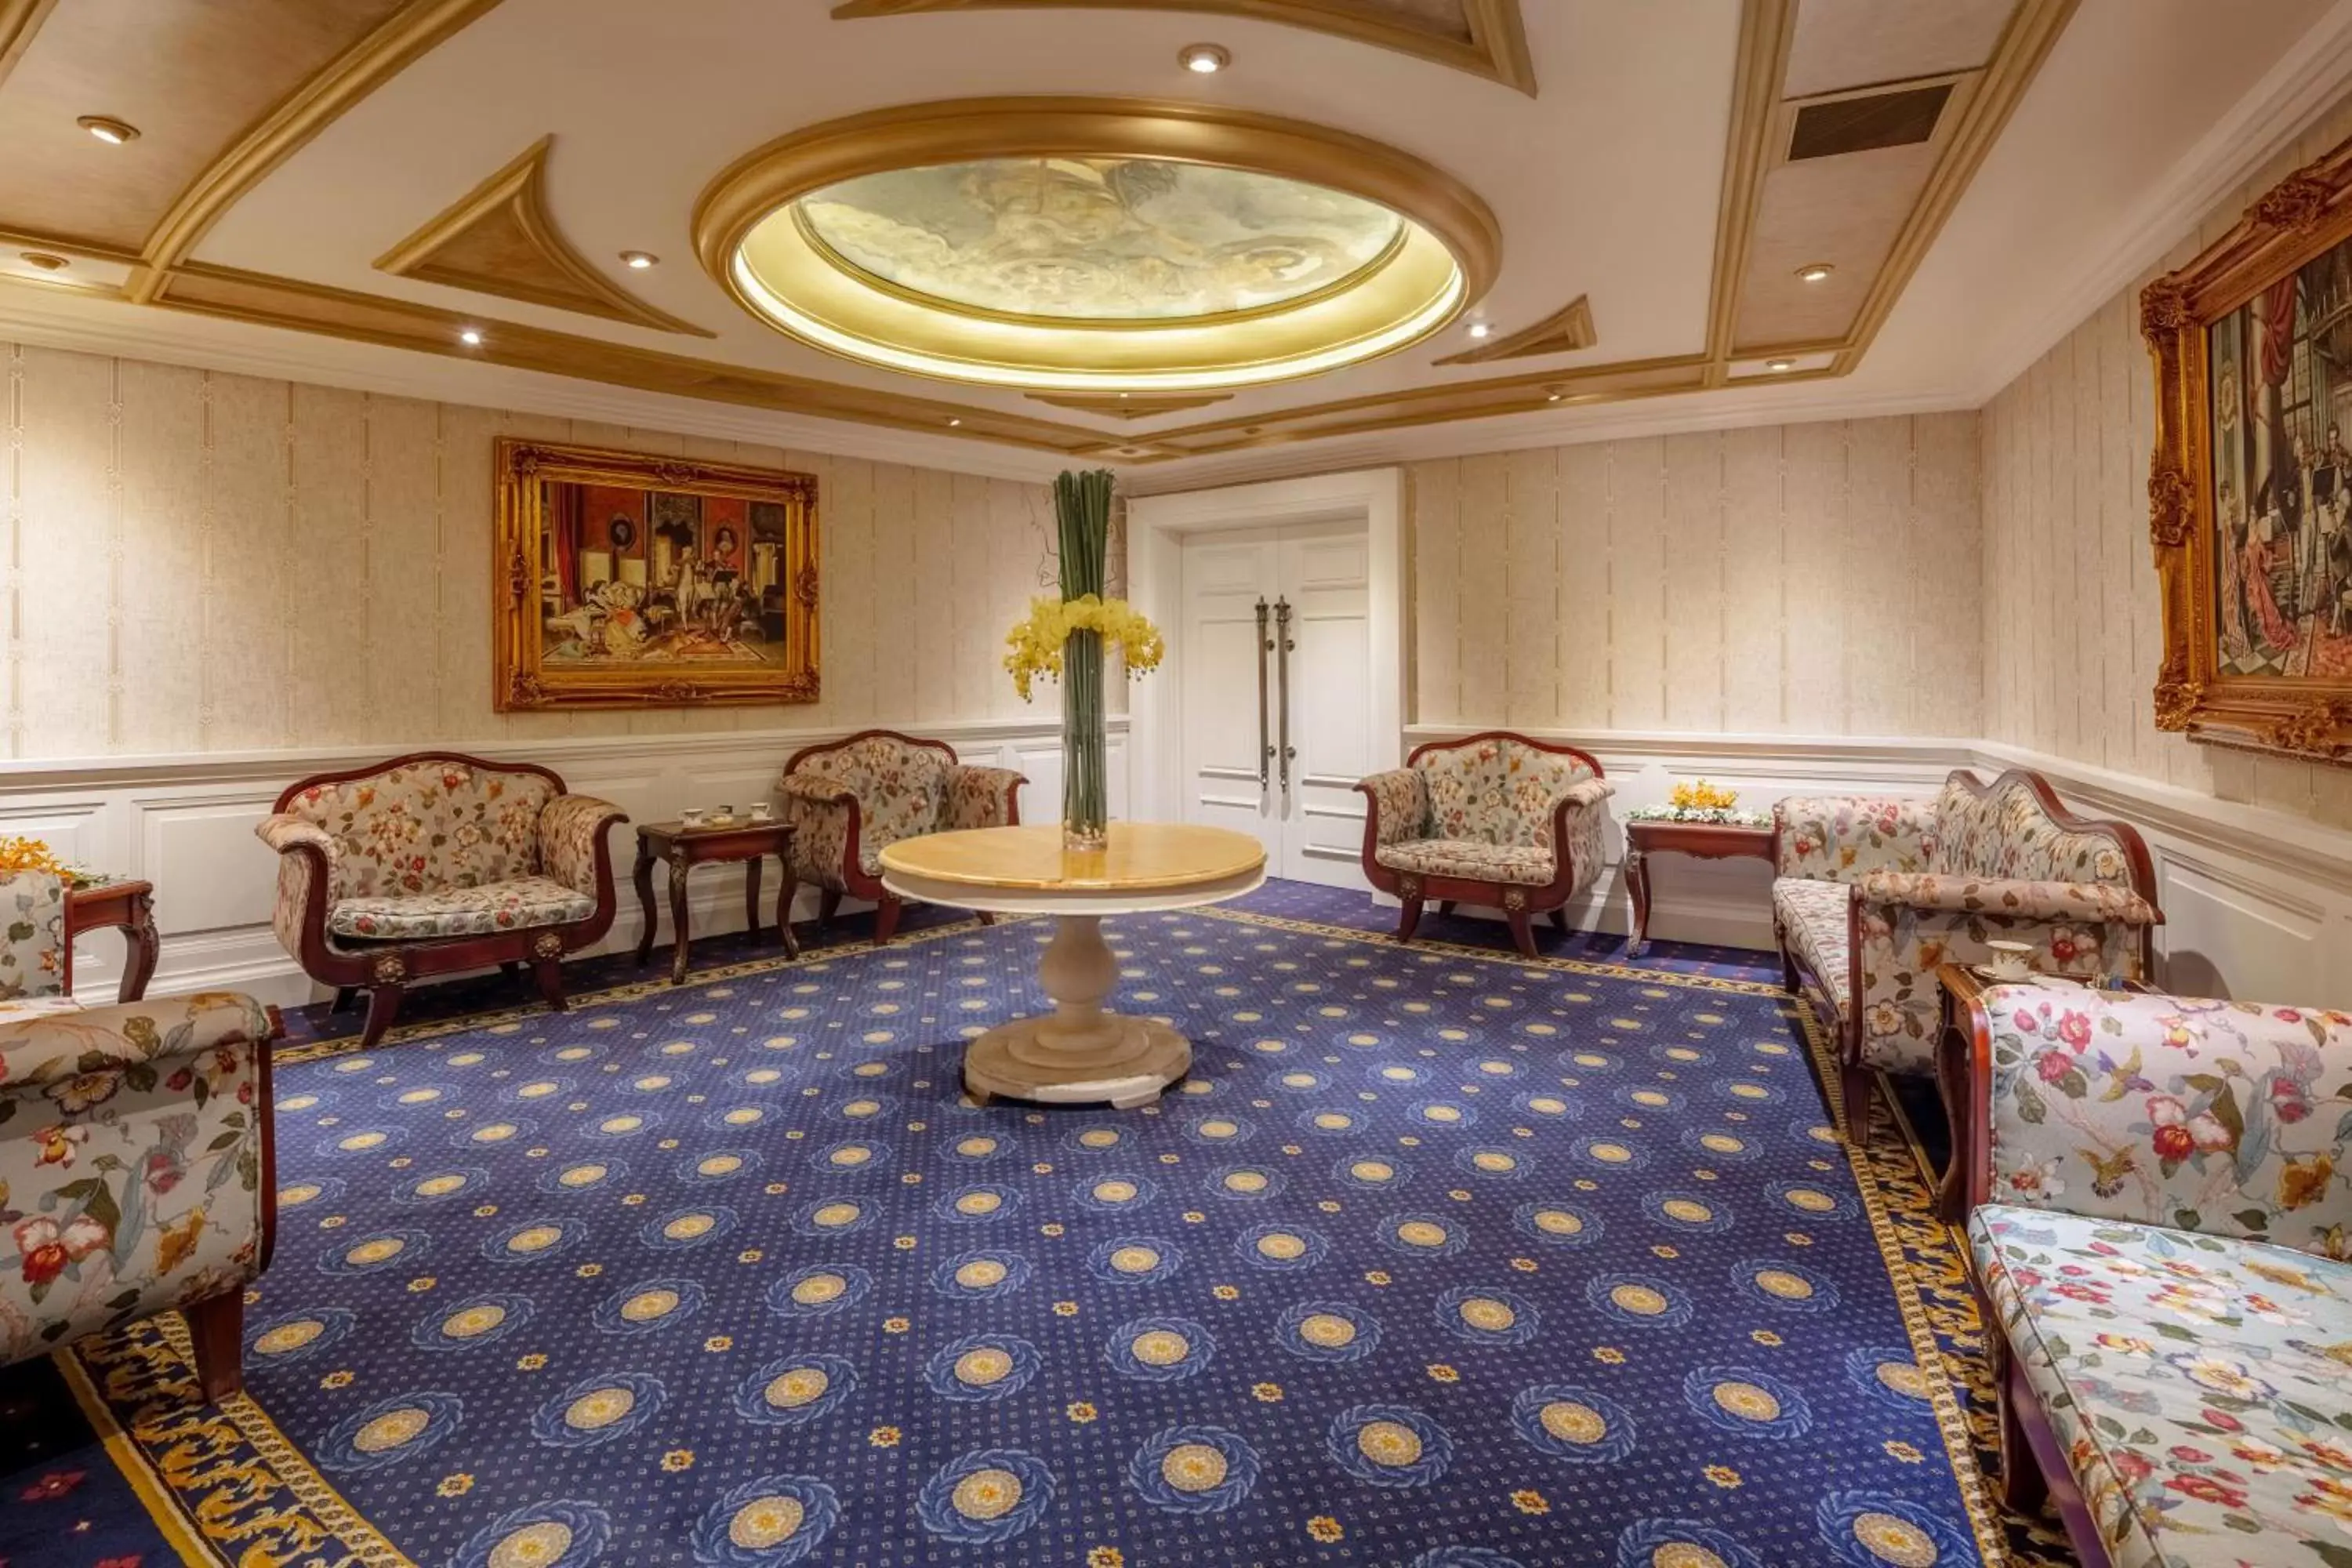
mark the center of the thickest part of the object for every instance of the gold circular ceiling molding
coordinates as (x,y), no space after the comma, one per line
(1095,243)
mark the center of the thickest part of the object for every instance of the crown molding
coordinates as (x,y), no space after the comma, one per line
(2308,78)
(19,20)
(1565,331)
(82,323)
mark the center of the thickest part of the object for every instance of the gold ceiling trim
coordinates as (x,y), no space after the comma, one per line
(514,199)
(1452,254)
(19,20)
(2033,30)
(1565,331)
(1130,405)
(1767,28)
(397,42)
(234,294)
(1496,49)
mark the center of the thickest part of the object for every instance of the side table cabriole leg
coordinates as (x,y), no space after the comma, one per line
(677,919)
(1637,882)
(752,870)
(141,946)
(1079,1054)
(643,877)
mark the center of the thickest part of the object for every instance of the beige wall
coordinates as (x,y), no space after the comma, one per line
(205,563)
(1813,579)
(2072,626)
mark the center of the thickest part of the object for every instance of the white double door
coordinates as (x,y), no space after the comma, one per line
(1277,710)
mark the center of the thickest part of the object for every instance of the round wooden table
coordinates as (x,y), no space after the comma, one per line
(1080,1054)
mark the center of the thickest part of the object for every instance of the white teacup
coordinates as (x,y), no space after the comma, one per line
(690,818)
(2011,960)
(762,811)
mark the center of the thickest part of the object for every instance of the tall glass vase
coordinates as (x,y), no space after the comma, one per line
(1086,801)
(1081,509)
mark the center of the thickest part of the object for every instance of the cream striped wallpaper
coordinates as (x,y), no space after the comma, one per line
(203,563)
(2071,628)
(1817,579)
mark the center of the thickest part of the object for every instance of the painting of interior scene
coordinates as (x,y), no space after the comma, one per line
(2281,377)
(635,576)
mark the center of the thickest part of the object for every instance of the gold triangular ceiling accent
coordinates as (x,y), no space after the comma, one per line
(1485,38)
(499,239)
(1134,405)
(1565,331)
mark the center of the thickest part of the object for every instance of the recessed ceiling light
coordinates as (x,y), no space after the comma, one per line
(954,422)
(1479,329)
(108,129)
(471,336)
(638,260)
(1554,396)
(1203,60)
(1780,364)
(42,259)
(1818,272)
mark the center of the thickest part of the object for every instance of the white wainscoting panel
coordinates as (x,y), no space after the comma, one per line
(185,824)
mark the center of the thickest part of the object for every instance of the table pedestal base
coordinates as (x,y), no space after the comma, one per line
(1079,1054)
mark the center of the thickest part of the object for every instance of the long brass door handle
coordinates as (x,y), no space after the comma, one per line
(1282,656)
(1264,746)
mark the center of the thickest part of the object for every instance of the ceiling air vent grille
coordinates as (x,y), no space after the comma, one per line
(1899,119)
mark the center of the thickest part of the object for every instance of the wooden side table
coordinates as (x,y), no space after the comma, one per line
(683,848)
(1700,840)
(126,907)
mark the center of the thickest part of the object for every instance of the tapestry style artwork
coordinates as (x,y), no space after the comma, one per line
(2281,371)
(630,579)
(1440,1258)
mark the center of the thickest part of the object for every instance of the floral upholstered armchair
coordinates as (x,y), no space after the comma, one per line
(434,863)
(1495,819)
(134,1152)
(1871,895)
(849,800)
(2160,1198)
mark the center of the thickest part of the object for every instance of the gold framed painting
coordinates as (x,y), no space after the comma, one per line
(2250,488)
(625,580)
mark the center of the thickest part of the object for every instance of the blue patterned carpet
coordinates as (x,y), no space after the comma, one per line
(1441,1258)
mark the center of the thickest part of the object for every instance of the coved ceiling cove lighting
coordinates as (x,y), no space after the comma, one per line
(1153,246)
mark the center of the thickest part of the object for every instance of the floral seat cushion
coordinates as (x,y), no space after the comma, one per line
(1813,912)
(2192,1380)
(517,904)
(1469,857)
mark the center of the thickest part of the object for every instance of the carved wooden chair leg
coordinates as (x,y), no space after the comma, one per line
(1523,937)
(1559,919)
(547,968)
(1411,919)
(383,1006)
(986,918)
(886,921)
(828,904)
(1444,906)
(346,998)
(1853,1089)
(216,1328)
(1788,963)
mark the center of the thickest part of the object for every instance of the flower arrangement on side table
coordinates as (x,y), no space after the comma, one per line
(1699,801)
(1063,639)
(19,854)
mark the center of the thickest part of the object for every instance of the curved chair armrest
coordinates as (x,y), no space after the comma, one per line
(2228,1117)
(1838,837)
(286,833)
(50,1049)
(1396,809)
(2080,902)
(815,788)
(982,796)
(572,845)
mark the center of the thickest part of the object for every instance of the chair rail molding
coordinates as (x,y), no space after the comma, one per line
(185,824)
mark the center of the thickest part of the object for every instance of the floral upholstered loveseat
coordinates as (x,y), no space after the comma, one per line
(2161,1222)
(434,863)
(1498,819)
(849,800)
(1871,894)
(134,1152)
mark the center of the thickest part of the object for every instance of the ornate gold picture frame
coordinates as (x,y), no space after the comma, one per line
(2249,489)
(624,580)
